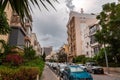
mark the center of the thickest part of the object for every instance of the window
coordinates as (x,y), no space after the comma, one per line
(92,40)
(96,50)
(87,43)
(87,53)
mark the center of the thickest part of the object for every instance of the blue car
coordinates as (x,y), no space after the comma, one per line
(76,73)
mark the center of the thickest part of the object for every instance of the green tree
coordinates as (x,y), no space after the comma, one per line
(44,56)
(110,33)
(4,27)
(29,53)
(62,57)
(79,58)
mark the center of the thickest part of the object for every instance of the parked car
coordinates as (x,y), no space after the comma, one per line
(94,68)
(75,72)
(61,69)
(83,66)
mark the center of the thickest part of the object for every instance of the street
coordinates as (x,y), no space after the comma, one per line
(104,77)
(48,74)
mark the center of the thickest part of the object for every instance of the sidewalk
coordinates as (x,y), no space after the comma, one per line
(115,74)
(48,74)
(113,71)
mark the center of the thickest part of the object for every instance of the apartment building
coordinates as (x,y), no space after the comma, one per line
(64,50)
(78,32)
(47,50)
(20,33)
(35,44)
(95,46)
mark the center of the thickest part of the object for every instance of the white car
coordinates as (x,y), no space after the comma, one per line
(82,66)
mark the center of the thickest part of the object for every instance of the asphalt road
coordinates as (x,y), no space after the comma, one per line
(104,77)
(48,74)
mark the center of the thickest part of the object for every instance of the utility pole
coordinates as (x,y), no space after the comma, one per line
(106,59)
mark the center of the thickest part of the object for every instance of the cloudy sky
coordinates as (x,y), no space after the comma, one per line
(50,26)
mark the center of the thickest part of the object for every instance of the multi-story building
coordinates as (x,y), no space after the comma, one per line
(35,44)
(64,50)
(47,50)
(20,33)
(76,29)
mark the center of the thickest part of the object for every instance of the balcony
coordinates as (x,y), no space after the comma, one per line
(28,24)
(93,29)
(70,55)
(94,44)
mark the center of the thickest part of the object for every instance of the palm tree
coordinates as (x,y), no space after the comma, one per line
(23,7)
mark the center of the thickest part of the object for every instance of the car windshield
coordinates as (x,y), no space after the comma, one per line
(76,69)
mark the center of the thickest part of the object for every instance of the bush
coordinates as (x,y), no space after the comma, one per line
(7,73)
(14,59)
(25,73)
(22,73)
(38,62)
(29,53)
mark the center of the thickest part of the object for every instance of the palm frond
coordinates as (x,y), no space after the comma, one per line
(23,7)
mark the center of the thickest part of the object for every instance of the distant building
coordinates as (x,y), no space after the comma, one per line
(35,44)
(52,56)
(78,32)
(64,50)
(47,50)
